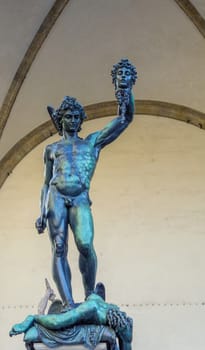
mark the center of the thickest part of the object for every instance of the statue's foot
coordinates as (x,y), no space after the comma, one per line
(15,330)
(100,290)
(21,327)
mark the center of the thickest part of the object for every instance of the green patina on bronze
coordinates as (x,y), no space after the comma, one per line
(103,321)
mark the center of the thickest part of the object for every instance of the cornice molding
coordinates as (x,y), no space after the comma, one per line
(28,59)
(99,110)
(193,14)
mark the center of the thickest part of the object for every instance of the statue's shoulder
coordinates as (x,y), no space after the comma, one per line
(50,150)
(52,146)
(91,138)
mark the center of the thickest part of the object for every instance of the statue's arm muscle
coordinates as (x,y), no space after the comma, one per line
(41,221)
(113,129)
(48,173)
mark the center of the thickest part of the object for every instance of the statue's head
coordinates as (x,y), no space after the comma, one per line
(69,106)
(123,74)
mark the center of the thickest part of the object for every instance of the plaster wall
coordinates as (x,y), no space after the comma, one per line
(19,21)
(148,206)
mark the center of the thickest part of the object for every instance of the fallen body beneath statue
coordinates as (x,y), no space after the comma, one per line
(90,323)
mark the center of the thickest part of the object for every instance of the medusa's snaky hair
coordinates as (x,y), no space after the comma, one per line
(68,103)
(124,62)
(118,320)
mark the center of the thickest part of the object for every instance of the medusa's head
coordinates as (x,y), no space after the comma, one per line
(123,74)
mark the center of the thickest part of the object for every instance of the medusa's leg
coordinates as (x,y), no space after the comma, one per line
(31,336)
(23,326)
(109,337)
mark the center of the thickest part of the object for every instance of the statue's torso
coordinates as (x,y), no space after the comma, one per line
(73,166)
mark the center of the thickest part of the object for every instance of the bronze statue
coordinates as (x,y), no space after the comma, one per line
(90,322)
(69,167)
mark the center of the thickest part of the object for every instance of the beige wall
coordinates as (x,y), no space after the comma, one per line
(148,205)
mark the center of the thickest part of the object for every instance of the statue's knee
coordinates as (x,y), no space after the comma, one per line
(31,335)
(60,248)
(85,249)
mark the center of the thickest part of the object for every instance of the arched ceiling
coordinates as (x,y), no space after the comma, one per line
(80,43)
(19,22)
(28,59)
(200,6)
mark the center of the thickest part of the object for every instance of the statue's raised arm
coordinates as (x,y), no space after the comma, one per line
(124,75)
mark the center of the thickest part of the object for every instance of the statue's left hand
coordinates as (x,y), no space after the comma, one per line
(40,224)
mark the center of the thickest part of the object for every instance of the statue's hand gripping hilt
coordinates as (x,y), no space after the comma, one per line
(122,96)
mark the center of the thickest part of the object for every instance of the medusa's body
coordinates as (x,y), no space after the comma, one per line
(94,311)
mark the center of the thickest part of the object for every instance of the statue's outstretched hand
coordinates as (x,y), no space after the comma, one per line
(40,224)
(122,96)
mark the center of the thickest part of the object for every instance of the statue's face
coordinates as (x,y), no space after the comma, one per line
(71,120)
(123,78)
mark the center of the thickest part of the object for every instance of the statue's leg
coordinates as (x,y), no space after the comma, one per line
(124,344)
(81,222)
(58,232)
(84,313)
(31,336)
(23,326)
(109,337)
(125,336)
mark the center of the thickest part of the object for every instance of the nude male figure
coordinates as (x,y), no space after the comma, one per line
(69,166)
